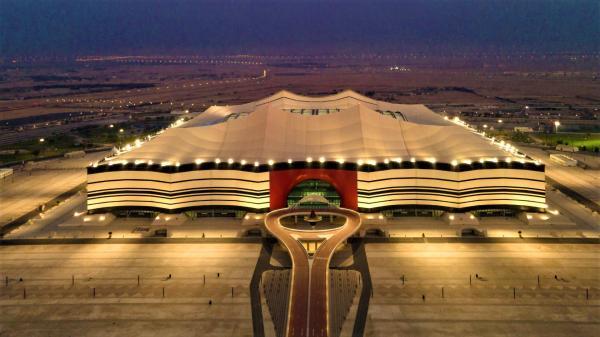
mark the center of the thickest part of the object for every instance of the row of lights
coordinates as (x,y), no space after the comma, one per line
(502,144)
(322,160)
(136,144)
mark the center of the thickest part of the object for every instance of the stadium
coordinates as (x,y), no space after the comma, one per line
(357,152)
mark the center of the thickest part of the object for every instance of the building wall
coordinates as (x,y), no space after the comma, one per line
(476,188)
(171,191)
(366,191)
(283,181)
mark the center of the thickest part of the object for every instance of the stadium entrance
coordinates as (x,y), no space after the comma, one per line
(314,187)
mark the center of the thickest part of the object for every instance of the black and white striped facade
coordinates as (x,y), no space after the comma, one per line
(451,190)
(392,185)
(179,190)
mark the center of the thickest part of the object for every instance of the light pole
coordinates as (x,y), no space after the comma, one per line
(556,125)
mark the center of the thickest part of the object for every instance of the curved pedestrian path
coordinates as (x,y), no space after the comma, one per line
(308,310)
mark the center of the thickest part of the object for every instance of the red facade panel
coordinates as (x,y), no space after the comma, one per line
(282,182)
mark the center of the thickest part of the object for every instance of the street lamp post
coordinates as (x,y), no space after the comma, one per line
(556,125)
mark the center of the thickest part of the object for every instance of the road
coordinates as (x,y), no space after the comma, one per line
(308,312)
(584,182)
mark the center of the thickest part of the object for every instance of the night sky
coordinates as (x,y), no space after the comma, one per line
(108,27)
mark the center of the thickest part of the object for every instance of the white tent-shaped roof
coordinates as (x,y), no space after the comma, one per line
(353,128)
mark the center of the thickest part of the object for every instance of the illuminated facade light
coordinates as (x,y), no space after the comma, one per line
(230,161)
(360,162)
(243,162)
(199,161)
(271,162)
(454,162)
(150,162)
(386,161)
(256,164)
(398,160)
(177,164)
(218,161)
(289,161)
(309,159)
(413,160)
(321,160)
(341,160)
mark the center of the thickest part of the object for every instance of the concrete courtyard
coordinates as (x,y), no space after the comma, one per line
(54,306)
(505,300)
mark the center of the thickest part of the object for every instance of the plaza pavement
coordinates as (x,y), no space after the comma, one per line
(557,307)
(55,307)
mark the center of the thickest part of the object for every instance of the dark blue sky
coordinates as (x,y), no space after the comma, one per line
(86,27)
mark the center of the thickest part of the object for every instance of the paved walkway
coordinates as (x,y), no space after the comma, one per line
(484,289)
(55,306)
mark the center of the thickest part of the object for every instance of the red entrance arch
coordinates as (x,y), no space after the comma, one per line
(282,182)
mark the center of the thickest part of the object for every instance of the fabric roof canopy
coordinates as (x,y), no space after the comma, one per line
(358,131)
